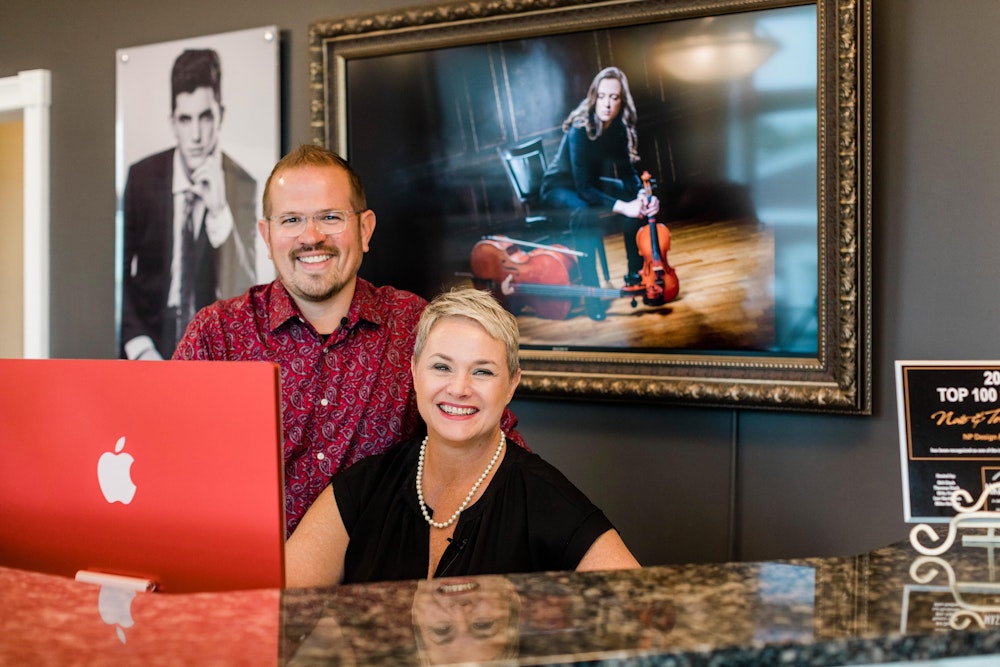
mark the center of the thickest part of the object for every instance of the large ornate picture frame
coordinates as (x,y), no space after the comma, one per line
(753,119)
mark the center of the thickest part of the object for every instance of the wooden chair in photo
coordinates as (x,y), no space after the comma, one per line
(525,165)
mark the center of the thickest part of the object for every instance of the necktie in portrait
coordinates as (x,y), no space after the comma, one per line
(188,268)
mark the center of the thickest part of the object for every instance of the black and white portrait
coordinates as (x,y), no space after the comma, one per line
(197,134)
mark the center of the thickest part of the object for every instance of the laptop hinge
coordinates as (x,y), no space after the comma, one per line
(117,580)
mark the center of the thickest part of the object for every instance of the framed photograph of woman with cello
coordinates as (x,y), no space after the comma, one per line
(672,197)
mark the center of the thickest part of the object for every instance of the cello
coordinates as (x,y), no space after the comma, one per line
(544,279)
(658,280)
(503,267)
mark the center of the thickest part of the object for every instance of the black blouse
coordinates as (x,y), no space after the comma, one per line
(580,162)
(529,519)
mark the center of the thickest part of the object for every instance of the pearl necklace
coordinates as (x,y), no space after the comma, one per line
(482,478)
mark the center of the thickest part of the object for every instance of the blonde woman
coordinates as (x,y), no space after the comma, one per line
(460,501)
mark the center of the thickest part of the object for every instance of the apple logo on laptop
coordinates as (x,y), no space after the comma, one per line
(114,474)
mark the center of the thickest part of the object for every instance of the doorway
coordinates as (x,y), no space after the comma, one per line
(24,206)
(12,233)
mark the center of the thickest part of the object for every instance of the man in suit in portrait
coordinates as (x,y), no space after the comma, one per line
(189,219)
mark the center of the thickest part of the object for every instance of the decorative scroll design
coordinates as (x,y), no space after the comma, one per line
(925,569)
(967,515)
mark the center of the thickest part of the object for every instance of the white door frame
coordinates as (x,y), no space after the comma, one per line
(30,93)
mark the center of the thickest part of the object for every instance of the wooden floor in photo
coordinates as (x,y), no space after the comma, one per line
(726,299)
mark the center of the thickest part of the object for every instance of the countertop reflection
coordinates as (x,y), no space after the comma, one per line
(889,605)
(884,606)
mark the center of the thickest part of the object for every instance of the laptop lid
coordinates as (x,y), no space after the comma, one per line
(163,471)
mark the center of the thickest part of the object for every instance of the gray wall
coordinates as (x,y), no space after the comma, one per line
(803,484)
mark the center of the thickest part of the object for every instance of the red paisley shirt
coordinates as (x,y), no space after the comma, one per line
(343,398)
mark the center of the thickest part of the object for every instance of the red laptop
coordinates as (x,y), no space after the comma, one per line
(162,472)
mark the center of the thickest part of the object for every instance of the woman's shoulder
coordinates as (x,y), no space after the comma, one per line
(536,473)
(559,516)
(577,132)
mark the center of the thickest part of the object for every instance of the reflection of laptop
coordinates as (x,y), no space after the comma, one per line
(206,512)
(49,620)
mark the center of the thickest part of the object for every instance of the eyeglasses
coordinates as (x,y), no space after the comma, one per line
(326,222)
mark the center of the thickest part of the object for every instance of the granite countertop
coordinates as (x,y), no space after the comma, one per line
(888,605)
(832,611)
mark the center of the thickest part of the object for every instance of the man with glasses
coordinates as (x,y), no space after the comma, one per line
(189,215)
(344,345)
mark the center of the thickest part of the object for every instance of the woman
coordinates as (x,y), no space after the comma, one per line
(496,509)
(600,142)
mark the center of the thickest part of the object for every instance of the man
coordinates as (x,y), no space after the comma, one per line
(344,345)
(189,216)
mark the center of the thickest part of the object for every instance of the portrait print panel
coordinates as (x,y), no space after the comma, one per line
(197,135)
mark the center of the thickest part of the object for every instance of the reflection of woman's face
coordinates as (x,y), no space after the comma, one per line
(465,619)
(609,100)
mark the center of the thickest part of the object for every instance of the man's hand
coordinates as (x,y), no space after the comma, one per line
(142,348)
(209,183)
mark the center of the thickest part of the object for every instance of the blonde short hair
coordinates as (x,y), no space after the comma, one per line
(478,306)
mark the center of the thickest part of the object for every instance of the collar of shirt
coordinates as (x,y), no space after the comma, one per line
(364,306)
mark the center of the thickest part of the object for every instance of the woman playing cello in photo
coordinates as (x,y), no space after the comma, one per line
(460,501)
(600,141)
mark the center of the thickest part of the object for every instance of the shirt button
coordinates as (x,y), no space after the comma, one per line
(321,456)
(324,402)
